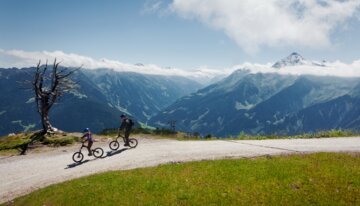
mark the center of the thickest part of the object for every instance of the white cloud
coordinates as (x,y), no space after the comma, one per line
(274,23)
(336,68)
(151,6)
(155,6)
(20,58)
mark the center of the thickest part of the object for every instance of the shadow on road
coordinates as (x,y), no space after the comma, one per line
(69,166)
(112,153)
(108,154)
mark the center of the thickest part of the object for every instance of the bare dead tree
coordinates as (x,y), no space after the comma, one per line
(48,87)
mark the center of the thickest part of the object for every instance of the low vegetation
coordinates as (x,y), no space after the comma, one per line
(315,179)
(244,136)
(168,133)
(12,143)
(60,141)
(319,134)
(140,130)
(157,132)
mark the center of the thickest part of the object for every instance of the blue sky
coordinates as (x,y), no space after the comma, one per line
(185,34)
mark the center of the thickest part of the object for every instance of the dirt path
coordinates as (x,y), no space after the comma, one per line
(23,174)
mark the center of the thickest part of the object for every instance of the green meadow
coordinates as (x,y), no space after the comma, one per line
(308,179)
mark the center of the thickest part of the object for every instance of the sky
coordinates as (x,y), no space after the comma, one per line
(184,34)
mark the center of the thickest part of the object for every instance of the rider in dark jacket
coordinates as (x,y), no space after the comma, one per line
(88,138)
(126,125)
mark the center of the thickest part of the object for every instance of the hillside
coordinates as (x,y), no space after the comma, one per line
(102,96)
(268,103)
(277,101)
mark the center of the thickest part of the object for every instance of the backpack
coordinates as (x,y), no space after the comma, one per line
(131,123)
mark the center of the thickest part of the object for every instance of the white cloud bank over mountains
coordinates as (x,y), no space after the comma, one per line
(272,23)
(337,69)
(20,59)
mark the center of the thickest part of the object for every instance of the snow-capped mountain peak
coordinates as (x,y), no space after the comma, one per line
(293,59)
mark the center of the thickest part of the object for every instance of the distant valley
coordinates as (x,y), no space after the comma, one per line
(269,103)
(243,102)
(103,95)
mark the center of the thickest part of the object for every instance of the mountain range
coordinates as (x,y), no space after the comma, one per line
(268,103)
(244,101)
(103,95)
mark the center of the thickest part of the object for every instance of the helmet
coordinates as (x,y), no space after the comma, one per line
(86,129)
(122,116)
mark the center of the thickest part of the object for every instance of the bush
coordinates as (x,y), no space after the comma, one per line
(208,136)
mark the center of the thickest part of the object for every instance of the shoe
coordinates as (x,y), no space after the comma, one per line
(126,145)
(90,154)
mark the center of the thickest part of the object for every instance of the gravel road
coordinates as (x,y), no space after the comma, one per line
(21,175)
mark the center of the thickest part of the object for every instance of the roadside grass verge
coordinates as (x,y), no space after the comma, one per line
(244,136)
(10,144)
(312,179)
(13,142)
(319,134)
(145,132)
(182,136)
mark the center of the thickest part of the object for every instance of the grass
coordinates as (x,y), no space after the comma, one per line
(244,136)
(142,131)
(10,144)
(315,179)
(319,134)
(169,134)
(9,152)
(13,142)
(146,132)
